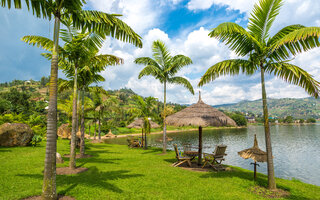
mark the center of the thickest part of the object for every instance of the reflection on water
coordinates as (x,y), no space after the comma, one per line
(296,149)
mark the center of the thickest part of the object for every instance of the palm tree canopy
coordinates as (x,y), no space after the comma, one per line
(163,66)
(101,23)
(270,53)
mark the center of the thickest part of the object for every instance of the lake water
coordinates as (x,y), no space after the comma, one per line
(296,149)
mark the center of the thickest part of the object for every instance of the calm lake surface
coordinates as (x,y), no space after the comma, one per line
(296,149)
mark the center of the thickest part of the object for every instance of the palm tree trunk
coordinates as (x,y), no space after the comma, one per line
(82,142)
(89,131)
(164,119)
(72,163)
(95,130)
(99,131)
(271,179)
(49,175)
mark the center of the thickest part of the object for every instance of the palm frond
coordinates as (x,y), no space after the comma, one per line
(262,18)
(282,52)
(105,25)
(181,81)
(178,62)
(300,40)
(106,59)
(161,53)
(238,39)
(295,75)
(40,41)
(152,70)
(228,67)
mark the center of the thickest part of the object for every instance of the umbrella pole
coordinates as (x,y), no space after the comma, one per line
(145,140)
(142,137)
(255,170)
(200,146)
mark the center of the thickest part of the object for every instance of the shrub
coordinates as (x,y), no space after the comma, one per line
(239,119)
(311,120)
(36,140)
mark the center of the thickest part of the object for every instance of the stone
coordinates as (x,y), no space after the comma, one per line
(64,131)
(59,158)
(15,134)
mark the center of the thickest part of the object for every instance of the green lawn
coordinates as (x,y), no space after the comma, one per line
(117,172)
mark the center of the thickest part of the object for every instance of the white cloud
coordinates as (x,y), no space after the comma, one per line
(138,14)
(204,51)
(241,5)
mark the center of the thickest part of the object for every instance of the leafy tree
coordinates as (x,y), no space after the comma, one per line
(266,54)
(311,120)
(239,119)
(288,119)
(164,67)
(301,121)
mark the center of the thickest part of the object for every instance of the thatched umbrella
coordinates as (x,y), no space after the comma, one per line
(110,134)
(256,154)
(138,123)
(202,115)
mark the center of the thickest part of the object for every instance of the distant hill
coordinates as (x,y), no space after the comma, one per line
(298,108)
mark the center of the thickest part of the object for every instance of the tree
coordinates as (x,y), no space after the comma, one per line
(266,54)
(311,120)
(288,119)
(143,108)
(102,23)
(163,67)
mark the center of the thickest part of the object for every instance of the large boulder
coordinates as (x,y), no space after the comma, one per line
(15,134)
(64,131)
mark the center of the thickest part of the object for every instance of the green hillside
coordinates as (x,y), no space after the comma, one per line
(298,108)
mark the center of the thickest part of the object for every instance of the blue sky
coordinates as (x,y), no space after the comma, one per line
(184,26)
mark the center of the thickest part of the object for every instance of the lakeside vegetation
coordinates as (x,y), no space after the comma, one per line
(82,105)
(118,172)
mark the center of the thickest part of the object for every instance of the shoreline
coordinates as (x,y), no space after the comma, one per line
(171,131)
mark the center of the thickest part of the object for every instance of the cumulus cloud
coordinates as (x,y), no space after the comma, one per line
(204,51)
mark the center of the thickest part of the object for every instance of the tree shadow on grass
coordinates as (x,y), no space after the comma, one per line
(91,178)
(152,150)
(82,161)
(97,152)
(262,180)
(4,150)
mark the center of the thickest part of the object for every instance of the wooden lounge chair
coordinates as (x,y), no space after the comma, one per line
(216,158)
(180,159)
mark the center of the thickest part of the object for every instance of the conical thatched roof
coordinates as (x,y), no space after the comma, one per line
(110,134)
(254,153)
(138,123)
(200,114)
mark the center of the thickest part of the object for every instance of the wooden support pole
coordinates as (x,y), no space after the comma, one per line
(200,146)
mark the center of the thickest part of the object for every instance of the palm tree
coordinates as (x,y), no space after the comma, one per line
(104,24)
(78,53)
(163,67)
(143,108)
(266,54)
(111,104)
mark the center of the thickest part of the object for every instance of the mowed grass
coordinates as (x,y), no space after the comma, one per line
(117,172)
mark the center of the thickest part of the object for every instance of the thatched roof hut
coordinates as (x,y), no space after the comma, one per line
(138,123)
(200,114)
(256,154)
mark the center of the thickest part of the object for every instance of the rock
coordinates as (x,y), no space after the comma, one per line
(15,134)
(59,158)
(64,131)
